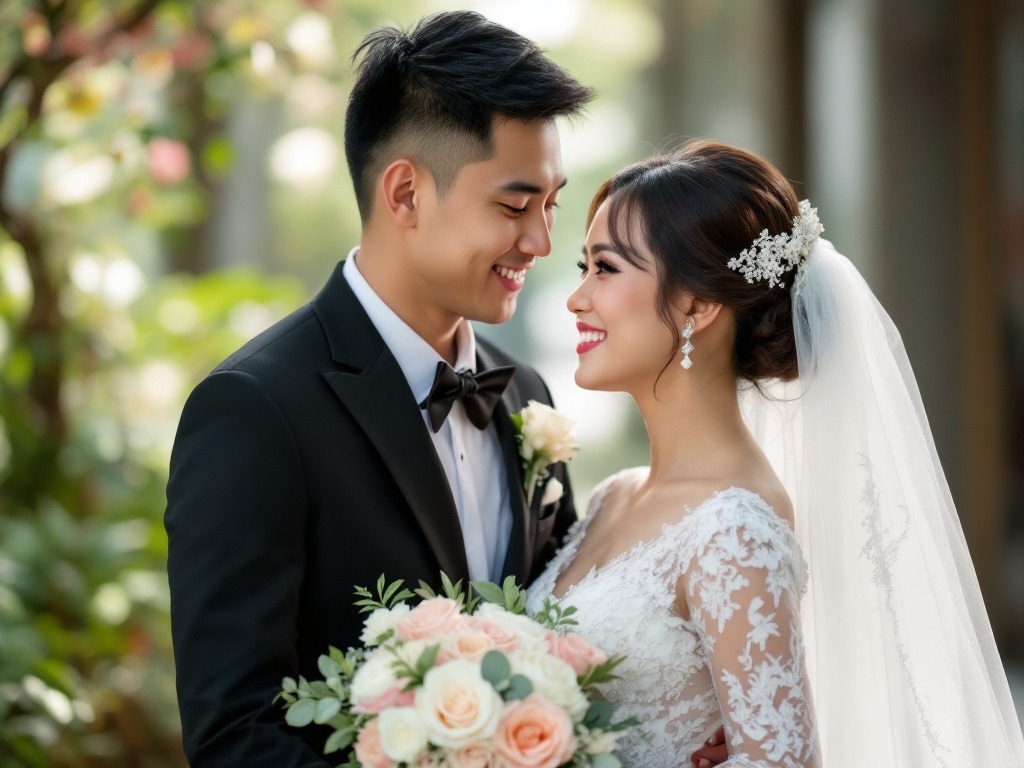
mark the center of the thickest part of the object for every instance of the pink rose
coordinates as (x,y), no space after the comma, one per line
(392,697)
(476,755)
(369,752)
(534,733)
(505,640)
(471,645)
(429,619)
(575,651)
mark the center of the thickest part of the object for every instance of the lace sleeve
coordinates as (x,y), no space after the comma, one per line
(743,594)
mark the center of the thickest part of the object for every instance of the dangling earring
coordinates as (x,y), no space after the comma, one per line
(687,348)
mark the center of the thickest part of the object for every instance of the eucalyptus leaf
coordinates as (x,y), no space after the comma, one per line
(519,687)
(301,713)
(328,667)
(338,740)
(326,709)
(495,668)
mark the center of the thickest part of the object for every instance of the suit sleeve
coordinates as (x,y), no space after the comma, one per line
(235,520)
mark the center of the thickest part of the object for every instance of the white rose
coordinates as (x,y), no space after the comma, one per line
(380,621)
(402,735)
(457,706)
(553,679)
(373,678)
(552,492)
(524,627)
(549,432)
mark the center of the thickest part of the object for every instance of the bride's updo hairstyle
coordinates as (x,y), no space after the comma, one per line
(694,210)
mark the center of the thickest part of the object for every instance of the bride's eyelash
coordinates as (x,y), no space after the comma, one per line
(602,267)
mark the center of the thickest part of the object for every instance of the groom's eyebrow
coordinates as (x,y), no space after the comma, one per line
(526,188)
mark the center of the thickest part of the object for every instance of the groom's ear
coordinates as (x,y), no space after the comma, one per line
(400,189)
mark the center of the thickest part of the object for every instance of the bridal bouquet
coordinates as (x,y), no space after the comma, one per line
(462,682)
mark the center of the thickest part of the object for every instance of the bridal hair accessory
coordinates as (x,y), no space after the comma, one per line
(769,258)
(687,348)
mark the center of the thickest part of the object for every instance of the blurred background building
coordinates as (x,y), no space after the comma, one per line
(172,181)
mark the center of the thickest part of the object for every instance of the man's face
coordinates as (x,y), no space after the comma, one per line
(471,251)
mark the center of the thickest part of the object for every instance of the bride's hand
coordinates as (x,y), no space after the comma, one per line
(713,753)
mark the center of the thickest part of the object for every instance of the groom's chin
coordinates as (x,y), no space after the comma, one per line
(498,314)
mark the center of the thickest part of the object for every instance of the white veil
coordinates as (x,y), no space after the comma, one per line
(901,658)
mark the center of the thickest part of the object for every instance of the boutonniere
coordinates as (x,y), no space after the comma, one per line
(545,437)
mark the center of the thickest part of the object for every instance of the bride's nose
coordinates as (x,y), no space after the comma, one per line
(579,300)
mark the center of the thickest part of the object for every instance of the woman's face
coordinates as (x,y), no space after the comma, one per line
(623,343)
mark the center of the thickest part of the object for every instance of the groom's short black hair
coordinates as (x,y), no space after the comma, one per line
(433,92)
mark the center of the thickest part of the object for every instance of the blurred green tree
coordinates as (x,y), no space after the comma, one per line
(110,146)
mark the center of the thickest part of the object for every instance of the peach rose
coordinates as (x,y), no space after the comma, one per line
(437,616)
(575,651)
(392,697)
(472,646)
(477,755)
(369,752)
(504,639)
(534,733)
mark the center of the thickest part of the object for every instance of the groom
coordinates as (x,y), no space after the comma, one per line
(370,431)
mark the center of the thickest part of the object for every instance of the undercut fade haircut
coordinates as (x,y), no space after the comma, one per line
(431,94)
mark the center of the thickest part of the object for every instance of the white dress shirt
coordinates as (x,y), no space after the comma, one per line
(471,457)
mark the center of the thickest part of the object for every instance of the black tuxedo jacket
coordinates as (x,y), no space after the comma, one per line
(302,467)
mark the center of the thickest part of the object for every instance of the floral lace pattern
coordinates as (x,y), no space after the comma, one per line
(737,660)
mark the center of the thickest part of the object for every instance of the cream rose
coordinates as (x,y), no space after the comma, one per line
(534,733)
(548,432)
(457,705)
(380,621)
(525,628)
(471,645)
(429,619)
(373,678)
(575,651)
(368,748)
(402,735)
(554,679)
(477,755)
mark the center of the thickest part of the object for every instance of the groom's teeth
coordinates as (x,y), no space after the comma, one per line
(511,274)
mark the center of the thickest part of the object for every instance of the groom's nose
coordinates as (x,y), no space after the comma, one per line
(536,237)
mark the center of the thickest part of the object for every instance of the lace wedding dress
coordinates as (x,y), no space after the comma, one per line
(737,660)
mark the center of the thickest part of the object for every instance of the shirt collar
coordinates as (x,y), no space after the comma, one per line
(417,359)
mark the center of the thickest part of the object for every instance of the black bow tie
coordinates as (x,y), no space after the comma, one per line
(479,393)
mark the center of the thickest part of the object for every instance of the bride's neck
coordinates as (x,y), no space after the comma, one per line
(694,426)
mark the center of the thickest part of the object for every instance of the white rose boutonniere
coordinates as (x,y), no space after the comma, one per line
(545,437)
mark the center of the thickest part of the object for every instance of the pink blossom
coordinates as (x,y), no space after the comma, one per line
(168,161)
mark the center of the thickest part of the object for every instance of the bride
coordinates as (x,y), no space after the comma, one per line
(790,566)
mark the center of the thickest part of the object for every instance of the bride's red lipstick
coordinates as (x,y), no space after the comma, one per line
(590,337)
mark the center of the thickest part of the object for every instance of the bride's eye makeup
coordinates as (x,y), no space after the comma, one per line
(602,267)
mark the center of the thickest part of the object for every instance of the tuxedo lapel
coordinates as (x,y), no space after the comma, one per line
(517,557)
(372,387)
